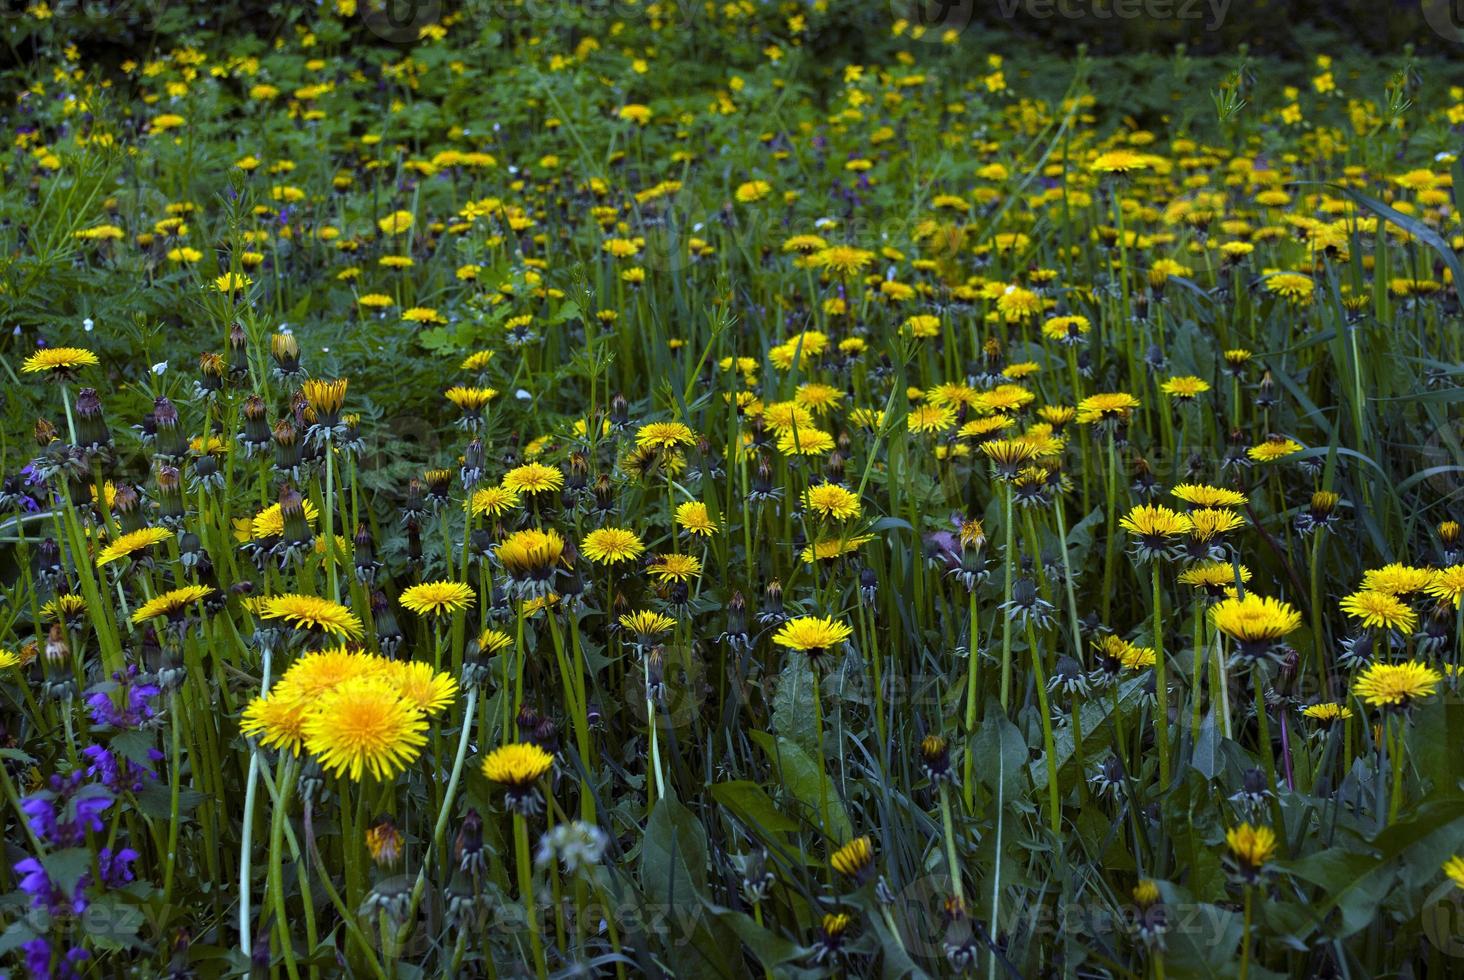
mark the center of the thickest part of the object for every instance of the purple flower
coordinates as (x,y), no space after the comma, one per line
(43,892)
(115,772)
(38,957)
(116,868)
(63,814)
(136,699)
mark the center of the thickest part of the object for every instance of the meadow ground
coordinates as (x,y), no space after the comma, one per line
(661,490)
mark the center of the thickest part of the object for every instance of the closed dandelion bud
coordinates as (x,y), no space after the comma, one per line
(389,635)
(1449,537)
(527,720)
(604,494)
(45,433)
(439,486)
(127,508)
(211,370)
(467,848)
(772,610)
(191,551)
(256,435)
(1266,392)
(1145,484)
(170,441)
(1068,677)
(656,674)
(206,471)
(237,352)
(935,759)
(170,494)
(756,879)
(1108,781)
(1254,792)
(577,472)
(545,734)
(48,561)
(285,350)
(365,548)
(763,487)
(297,530)
(834,467)
(92,434)
(473,462)
(286,445)
(57,649)
(619,412)
(384,842)
(392,896)
(414,508)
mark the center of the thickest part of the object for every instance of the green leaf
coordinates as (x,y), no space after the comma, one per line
(793,707)
(752,805)
(800,776)
(674,855)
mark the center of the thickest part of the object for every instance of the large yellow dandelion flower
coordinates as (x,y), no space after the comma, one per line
(62,362)
(437,598)
(517,765)
(172,602)
(130,544)
(664,435)
(1396,685)
(612,545)
(832,501)
(365,726)
(429,690)
(277,721)
(1380,610)
(308,612)
(812,635)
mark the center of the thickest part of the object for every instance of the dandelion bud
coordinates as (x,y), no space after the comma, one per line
(57,649)
(772,611)
(389,636)
(256,424)
(365,548)
(439,485)
(211,369)
(285,350)
(384,842)
(48,561)
(604,494)
(126,509)
(45,433)
(834,467)
(287,446)
(935,759)
(238,352)
(414,508)
(292,513)
(577,472)
(171,443)
(467,849)
(619,412)
(170,494)
(473,463)
(91,427)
